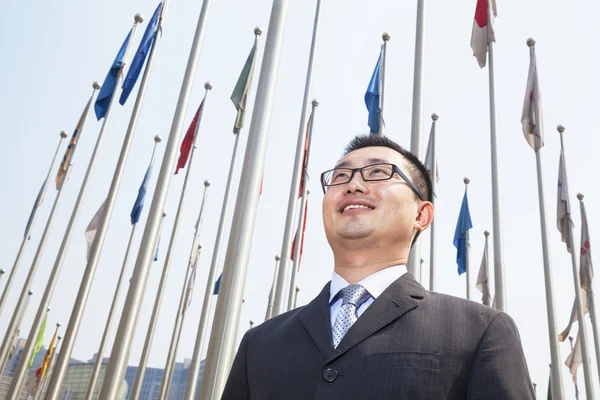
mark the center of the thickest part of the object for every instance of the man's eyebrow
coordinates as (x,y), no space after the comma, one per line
(348,164)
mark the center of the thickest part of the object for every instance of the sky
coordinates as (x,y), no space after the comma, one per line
(54,51)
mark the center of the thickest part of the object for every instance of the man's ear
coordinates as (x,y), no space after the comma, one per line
(424,216)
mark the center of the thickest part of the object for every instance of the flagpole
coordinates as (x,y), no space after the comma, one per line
(386,38)
(124,336)
(591,304)
(184,300)
(99,355)
(96,246)
(500,294)
(417,111)
(467,258)
(269,312)
(63,134)
(228,307)
(433,173)
(304,199)
(279,292)
(139,378)
(589,388)
(299,241)
(575,377)
(296,297)
(12,339)
(21,303)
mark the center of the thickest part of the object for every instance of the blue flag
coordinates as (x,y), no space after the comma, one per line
(136,212)
(108,87)
(460,235)
(218,284)
(140,56)
(156,255)
(372,97)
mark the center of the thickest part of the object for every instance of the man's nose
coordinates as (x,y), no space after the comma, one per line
(357,183)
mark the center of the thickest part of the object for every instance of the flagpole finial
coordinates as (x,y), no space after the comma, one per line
(257,31)
(96,85)
(63,134)
(531,42)
(315,103)
(157,139)
(297,289)
(466,180)
(579,196)
(59,338)
(58,324)
(2,271)
(386,36)
(30,292)
(277,258)
(434,117)
(560,129)
(486,233)
(164,214)
(207,86)
(206,183)
(48,310)
(138,18)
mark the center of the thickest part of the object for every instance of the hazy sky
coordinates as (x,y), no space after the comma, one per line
(53,52)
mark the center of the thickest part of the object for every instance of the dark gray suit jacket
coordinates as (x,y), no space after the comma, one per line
(409,344)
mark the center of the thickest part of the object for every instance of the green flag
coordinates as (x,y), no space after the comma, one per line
(242,87)
(38,342)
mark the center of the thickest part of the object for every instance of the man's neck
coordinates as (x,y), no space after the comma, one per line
(354,266)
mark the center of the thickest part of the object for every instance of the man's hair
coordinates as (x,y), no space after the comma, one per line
(415,169)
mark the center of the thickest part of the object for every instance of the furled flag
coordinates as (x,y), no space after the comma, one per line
(188,140)
(483,29)
(563,218)
(138,206)
(108,87)
(191,283)
(70,152)
(41,372)
(242,87)
(218,284)
(372,96)
(301,238)
(460,235)
(305,158)
(429,155)
(140,56)
(586,271)
(38,341)
(157,246)
(531,118)
(575,359)
(583,294)
(38,201)
(483,279)
(92,228)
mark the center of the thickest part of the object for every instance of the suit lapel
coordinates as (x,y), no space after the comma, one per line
(395,301)
(315,318)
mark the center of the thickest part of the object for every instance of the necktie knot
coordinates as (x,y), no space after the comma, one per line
(355,295)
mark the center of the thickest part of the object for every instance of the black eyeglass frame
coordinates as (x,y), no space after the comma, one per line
(395,170)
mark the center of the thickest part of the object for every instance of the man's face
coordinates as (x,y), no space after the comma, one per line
(382,213)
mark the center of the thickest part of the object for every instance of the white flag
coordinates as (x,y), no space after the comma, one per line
(483,30)
(586,271)
(562,217)
(531,118)
(575,359)
(429,155)
(92,228)
(483,284)
(583,293)
(191,282)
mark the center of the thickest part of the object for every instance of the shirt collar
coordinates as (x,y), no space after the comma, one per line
(375,283)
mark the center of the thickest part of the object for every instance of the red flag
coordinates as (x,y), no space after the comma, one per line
(188,140)
(301,237)
(301,188)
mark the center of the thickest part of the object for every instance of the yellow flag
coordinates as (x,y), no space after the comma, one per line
(48,356)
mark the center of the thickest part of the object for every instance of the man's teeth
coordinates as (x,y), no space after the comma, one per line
(351,206)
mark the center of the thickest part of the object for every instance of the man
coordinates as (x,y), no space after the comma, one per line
(374,332)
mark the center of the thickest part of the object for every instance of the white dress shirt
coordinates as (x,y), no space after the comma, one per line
(375,285)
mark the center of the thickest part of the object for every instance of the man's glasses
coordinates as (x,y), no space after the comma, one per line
(369,173)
